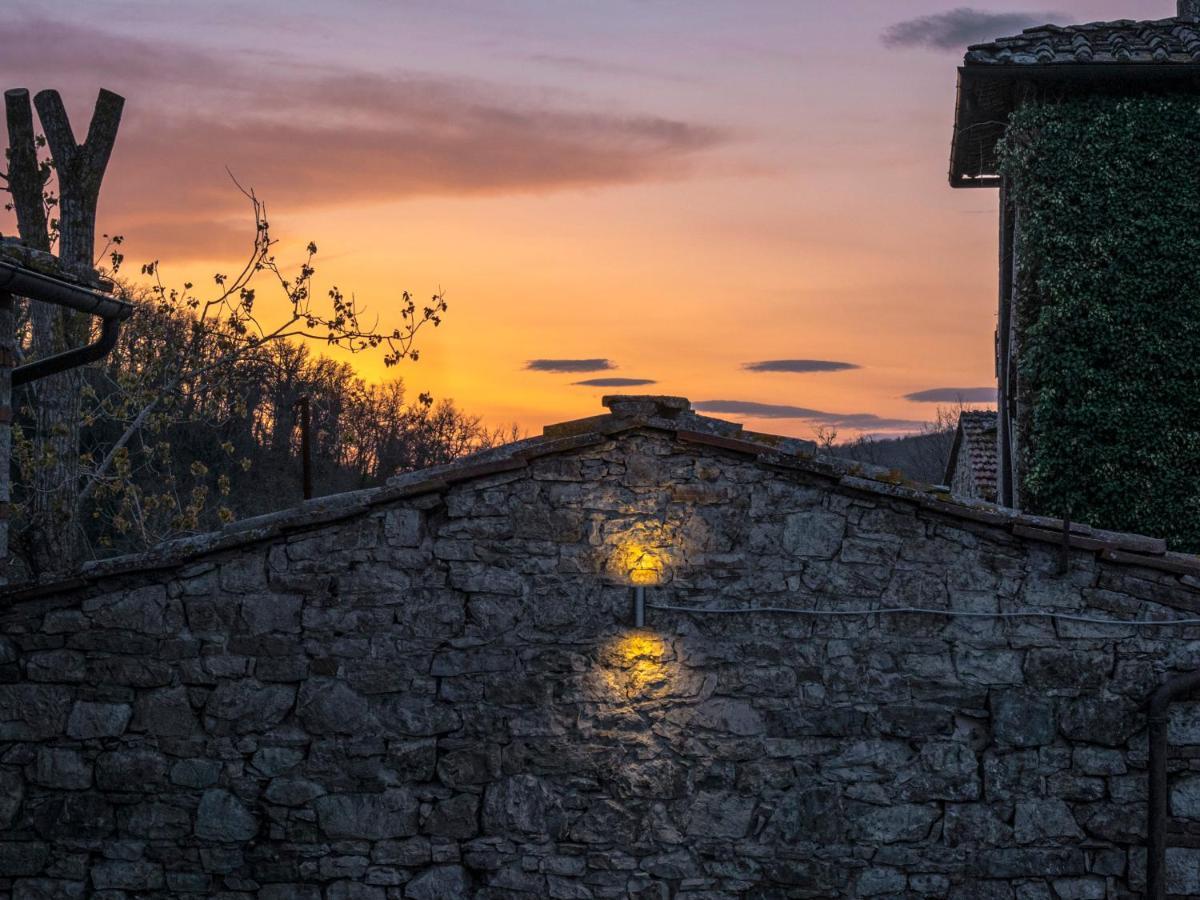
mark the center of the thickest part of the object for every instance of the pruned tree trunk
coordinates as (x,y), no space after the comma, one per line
(27,185)
(7,358)
(80,169)
(26,180)
(55,535)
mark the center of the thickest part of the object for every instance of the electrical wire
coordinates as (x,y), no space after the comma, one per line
(917,611)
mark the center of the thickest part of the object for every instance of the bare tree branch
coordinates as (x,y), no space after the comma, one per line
(80,169)
(25,177)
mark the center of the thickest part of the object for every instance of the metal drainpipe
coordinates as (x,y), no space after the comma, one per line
(24,282)
(306,447)
(28,283)
(18,280)
(110,330)
(1156,824)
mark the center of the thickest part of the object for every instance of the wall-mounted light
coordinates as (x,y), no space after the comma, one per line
(645,569)
(639,560)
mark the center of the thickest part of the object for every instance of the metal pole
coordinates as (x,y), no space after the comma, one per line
(1156,825)
(1159,710)
(8,354)
(306,446)
(1064,549)
(110,331)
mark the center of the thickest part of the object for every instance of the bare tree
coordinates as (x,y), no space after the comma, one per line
(921,457)
(27,175)
(932,454)
(79,170)
(196,347)
(200,340)
(826,439)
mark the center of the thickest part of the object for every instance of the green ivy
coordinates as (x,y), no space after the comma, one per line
(1108,193)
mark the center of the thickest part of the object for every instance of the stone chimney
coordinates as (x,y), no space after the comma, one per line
(1189,10)
(648,405)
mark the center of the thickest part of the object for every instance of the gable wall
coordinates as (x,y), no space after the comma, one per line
(443,698)
(963,483)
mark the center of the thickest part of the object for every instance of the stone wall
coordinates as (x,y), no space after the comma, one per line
(440,697)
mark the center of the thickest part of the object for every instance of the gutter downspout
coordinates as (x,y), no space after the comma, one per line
(23,282)
(18,280)
(1156,825)
(110,330)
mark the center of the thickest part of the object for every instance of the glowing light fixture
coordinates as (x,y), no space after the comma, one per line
(645,570)
(639,560)
(637,665)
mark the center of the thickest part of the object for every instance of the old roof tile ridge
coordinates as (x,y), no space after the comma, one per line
(771,451)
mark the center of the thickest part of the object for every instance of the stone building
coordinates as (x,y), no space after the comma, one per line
(846,687)
(971,469)
(1057,65)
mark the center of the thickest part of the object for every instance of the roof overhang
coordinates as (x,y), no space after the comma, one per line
(988,94)
(35,285)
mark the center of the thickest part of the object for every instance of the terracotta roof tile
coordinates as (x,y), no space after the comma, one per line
(975,446)
(997,76)
(1121,42)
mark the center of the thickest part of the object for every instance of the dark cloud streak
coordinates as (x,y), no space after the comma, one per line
(615,382)
(305,138)
(954,395)
(799,365)
(755,410)
(569,365)
(961,27)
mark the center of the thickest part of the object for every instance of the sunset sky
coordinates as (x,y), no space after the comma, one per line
(702,194)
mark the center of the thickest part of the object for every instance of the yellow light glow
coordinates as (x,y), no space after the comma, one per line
(639,564)
(641,646)
(646,570)
(636,665)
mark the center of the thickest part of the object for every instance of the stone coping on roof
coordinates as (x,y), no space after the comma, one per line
(776,453)
(1121,42)
(977,431)
(14,250)
(997,76)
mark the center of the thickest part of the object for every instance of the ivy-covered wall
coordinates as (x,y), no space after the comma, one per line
(1108,310)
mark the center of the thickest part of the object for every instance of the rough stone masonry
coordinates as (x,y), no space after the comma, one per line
(432,690)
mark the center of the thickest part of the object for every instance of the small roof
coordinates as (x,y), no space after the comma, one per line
(38,275)
(997,75)
(975,446)
(671,416)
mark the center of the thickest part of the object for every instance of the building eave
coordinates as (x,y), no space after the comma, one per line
(988,93)
(776,454)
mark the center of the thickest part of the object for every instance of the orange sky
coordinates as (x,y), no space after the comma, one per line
(678,187)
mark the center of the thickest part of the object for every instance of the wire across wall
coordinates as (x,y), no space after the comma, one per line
(920,611)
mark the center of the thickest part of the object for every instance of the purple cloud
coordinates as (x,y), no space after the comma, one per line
(961,27)
(799,365)
(954,395)
(615,382)
(755,410)
(307,137)
(569,365)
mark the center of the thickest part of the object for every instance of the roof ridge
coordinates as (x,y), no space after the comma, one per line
(771,451)
(1117,53)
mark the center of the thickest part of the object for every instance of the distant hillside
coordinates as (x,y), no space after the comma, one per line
(920,457)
